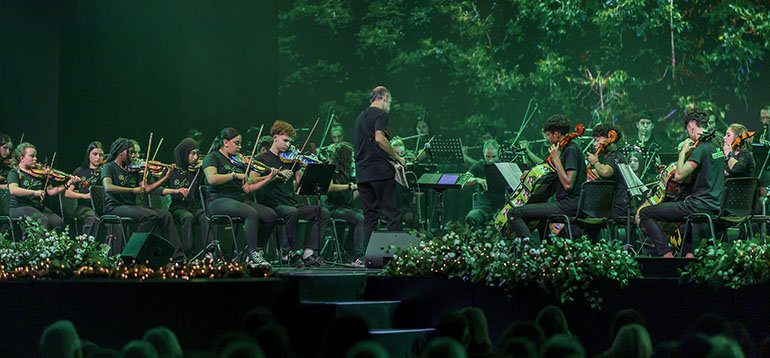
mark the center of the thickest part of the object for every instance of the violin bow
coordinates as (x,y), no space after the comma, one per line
(253,150)
(160,142)
(47,176)
(199,168)
(306,140)
(147,161)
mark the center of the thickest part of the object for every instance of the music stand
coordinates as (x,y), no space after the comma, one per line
(760,153)
(634,187)
(446,150)
(315,181)
(501,177)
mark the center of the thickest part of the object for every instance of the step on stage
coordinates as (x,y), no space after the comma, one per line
(400,311)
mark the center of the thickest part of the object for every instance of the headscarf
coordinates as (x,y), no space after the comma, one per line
(182,152)
(117,147)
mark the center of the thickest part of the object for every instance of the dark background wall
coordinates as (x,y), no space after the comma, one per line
(78,71)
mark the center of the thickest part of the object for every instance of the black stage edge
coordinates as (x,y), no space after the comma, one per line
(111,313)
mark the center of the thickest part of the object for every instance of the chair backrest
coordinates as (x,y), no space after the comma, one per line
(596,199)
(68,205)
(5,202)
(739,197)
(97,200)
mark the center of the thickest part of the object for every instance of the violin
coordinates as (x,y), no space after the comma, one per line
(155,168)
(42,172)
(738,140)
(612,137)
(295,156)
(241,161)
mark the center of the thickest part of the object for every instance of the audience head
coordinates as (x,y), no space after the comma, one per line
(517,347)
(624,317)
(711,324)
(60,340)
(551,319)
(104,353)
(562,346)
(453,324)
(694,345)
(242,349)
(444,347)
(527,330)
(723,347)
(367,349)
(139,349)
(255,319)
(274,341)
(342,334)
(668,349)
(478,330)
(632,341)
(164,341)
(225,339)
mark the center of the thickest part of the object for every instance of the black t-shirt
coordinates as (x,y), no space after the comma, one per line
(371,161)
(120,177)
(709,182)
(745,167)
(231,189)
(4,170)
(182,179)
(90,176)
(572,159)
(621,194)
(25,181)
(279,191)
(485,199)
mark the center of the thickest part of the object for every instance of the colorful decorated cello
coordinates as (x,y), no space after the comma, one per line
(536,182)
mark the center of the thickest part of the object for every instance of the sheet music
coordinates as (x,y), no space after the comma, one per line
(511,173)
(632,181)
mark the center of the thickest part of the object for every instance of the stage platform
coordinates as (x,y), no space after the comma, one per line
(400,310)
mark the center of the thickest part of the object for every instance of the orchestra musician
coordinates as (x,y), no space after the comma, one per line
(182,186)
(739,163)
(90,172)
(570,169)
(229,189)
(6,151)
(764,119)
(705,167)
(121,186)
(28,189)
(486,204)
(280,195)
(341,196)
(375,175)
(606,167)
(645,143)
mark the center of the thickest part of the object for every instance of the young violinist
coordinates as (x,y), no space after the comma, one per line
(90,172)
(704,167)
(280,195)
(6,151)
(28,188)
(182,186)
(121,187)
(605,166)
(570,169)
(229,188)
(341,195)
(739,163)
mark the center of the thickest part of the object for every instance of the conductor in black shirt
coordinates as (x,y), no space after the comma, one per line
(375,176)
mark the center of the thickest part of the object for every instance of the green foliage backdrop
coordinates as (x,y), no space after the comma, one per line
(469,64)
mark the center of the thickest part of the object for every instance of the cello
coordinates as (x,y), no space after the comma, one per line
(612,137)
(535,184)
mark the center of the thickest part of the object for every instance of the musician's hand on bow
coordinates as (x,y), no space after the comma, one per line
(685,146)
(183,191)
(727,148)
(286,173)
(72,180)
(39,193)
(554,151)
(274,173)
(592,158)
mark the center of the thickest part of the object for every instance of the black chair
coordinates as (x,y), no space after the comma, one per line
(5,211)
(738,200)
(219,219)
(594,206)
(67,207)
(97,202)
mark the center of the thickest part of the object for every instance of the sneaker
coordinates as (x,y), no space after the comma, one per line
(313,260)
(209,257)
(256,257)
(296,261)
(357,263)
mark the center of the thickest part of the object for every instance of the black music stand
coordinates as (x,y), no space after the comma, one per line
(635,189)
(446,150)
(440,183)
(760,153)
(315,181)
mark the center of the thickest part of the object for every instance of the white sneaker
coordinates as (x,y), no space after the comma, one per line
(256,257)
(209,257)
(357,263)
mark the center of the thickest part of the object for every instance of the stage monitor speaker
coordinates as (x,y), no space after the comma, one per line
(378,253)
(147,249)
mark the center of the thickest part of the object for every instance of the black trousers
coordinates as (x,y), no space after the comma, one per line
(479,215)
(291,215)
(355,218)
(259,219)
(518,217)
(651,216)
(46,217)
(86,215)
(186,221)
(382,194)
(148,220)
